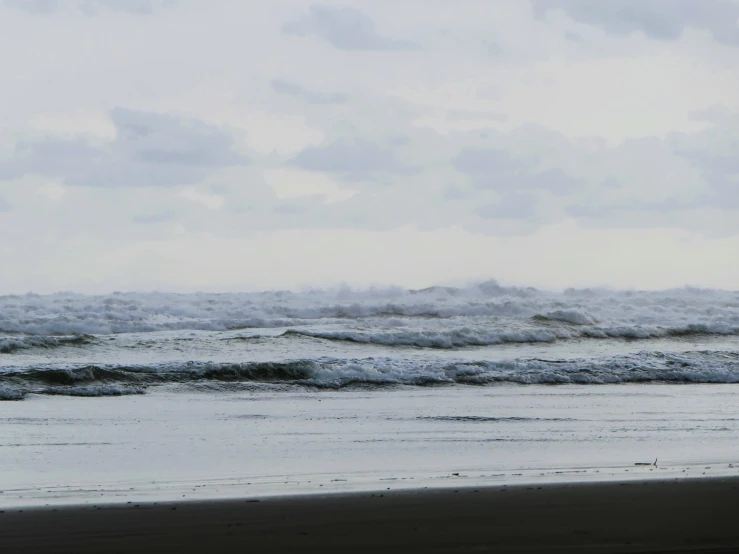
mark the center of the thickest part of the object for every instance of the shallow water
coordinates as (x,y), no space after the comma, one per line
(170,445)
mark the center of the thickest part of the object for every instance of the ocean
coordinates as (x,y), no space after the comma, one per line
(143,393)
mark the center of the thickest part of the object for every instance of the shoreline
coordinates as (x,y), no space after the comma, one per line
(120,493)
(679,515)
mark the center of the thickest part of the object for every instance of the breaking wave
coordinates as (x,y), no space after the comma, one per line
(489,419)
(67,314)
(332,373)
(10,344)
(447,338)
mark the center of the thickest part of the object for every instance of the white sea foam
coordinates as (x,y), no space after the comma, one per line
(529,313)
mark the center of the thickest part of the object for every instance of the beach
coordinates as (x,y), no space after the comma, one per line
(691,515)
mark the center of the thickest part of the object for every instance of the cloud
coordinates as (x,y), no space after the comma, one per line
(714,114)
(715,152)
(150,149)
(135,7)
(355,159)
(33,6)
(281,86)
(658,19)
(497,170)
(345,28)
(721,172)
(91,7)
(570,124)
(153,218)
(4,205)
(610,212)
(511,206)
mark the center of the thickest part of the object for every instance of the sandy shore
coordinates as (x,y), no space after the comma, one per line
(694,515)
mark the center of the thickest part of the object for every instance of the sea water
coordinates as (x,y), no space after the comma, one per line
(344,386)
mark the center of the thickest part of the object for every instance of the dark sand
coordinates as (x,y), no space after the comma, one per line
(699,515)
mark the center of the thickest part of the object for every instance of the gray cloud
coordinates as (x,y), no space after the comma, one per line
(345,28)
(715,152)
(281,86)
(355,159)
(90,7)
(481,162)
(658,19)
(33,6)
(149,150)
(4,205)
(496,169)
(607,212)
(721,172)
(511,206)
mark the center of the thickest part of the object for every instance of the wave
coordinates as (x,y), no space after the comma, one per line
(491,419)
(446,335)
(333,373)
(575,317)
(76,314)
(10,344)
(436,338)
(446,338)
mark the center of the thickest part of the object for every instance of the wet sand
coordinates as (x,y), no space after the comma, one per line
(691,515)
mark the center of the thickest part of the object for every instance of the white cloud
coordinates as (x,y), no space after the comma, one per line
(211,201)
(294,183)
(72,124)
(277,134)
(52,190)
(408,256)
(281,86)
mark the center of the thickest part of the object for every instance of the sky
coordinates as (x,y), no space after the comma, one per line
(228,145)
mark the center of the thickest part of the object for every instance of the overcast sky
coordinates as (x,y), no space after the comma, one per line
(233,145)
